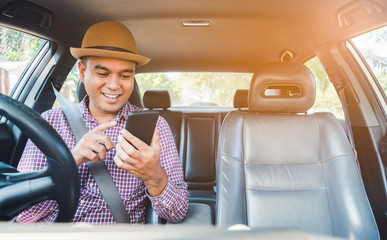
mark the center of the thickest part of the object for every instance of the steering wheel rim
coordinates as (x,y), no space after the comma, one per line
(58,181)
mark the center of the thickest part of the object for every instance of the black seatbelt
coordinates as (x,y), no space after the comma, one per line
(99,171)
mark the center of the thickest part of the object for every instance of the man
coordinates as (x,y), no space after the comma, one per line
(108,58)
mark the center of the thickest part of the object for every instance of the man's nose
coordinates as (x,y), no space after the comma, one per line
(114,82)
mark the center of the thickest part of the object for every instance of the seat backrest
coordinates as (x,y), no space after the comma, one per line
(199,139)
(160,100)
(281,169)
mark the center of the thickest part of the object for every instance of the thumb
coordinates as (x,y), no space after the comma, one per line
(155,140)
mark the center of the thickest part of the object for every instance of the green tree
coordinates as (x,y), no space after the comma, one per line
(371,46)
(326,95)
(216,88)
(190,87)
(18,46)
(160,81)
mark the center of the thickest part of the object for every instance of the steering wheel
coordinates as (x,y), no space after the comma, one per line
(59,180)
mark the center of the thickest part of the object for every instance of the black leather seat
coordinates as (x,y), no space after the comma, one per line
(199,140)
(241,99)
(196,136)
(280,169)
(160,100)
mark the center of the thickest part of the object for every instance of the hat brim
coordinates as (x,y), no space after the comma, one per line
(83,52)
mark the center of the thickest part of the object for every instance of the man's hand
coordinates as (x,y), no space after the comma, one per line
(93,145)
(143,162)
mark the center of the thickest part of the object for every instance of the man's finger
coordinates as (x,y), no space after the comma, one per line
(124,165)
(156,140)
(121,152)
(137,143)
(124,144)
(119,162)
(105,141)
(104,126)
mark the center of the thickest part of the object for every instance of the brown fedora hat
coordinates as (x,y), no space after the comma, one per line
(109,39)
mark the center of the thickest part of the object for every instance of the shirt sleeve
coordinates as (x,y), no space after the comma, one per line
(172,203)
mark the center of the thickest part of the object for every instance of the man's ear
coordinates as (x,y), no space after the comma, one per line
(82,70)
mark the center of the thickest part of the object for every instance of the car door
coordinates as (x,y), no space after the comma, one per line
(357,68)
(20,56)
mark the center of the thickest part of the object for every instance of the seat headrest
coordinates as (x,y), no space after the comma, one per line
(282,88)
(240,98)
(81,91)
(157,99)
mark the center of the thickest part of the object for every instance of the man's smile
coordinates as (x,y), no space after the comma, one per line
(113,96)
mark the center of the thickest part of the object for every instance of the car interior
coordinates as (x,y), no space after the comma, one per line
(267,164)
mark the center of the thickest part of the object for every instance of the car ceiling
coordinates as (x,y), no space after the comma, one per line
(241,36)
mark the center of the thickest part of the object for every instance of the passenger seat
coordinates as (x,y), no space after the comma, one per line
(281,168)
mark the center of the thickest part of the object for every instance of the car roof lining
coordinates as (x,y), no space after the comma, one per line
(229,44)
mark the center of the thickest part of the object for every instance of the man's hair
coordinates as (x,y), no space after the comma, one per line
(84,59)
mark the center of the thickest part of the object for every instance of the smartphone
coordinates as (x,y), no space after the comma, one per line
(142,124)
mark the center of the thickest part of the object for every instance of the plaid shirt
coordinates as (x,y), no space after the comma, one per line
(171,204)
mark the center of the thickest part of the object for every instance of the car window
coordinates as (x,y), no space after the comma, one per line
(69,87)
(209,89)
(17,49)
(204,89)
(372,47)
(327,99)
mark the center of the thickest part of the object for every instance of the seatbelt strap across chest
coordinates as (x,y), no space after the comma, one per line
(99,170)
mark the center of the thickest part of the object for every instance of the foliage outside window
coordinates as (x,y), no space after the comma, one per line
(69,88)
(215,89)
(327,99)
(16,50)
(196,89)
(373,47)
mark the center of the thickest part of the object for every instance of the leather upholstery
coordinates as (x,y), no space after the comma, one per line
(290,171)
(157,99)
(198,214)
(282,75)
(199,135)
(241,98)
(198,148)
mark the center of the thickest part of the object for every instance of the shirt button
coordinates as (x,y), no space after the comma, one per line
(156,203)
(91,185)
(82,201)
(164,202)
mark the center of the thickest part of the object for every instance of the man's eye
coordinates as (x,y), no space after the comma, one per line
(126,76)
(102,74)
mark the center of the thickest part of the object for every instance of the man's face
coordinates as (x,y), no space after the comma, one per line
(109,84)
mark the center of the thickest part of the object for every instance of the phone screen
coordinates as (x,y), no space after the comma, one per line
(142,124)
